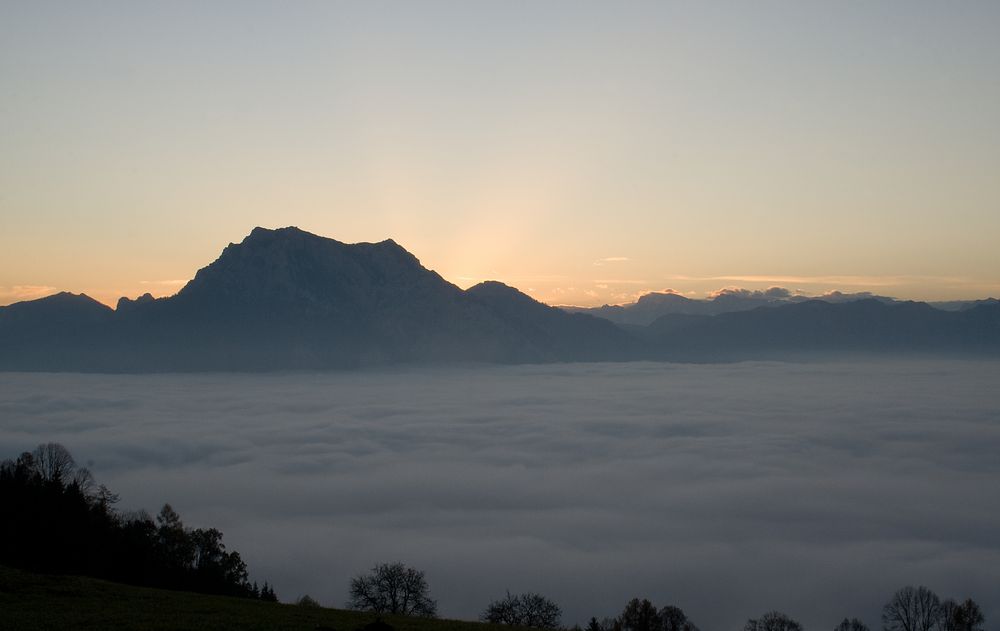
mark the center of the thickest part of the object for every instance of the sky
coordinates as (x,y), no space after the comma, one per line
(583,152)
(728,490)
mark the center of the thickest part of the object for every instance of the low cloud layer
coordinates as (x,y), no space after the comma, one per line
(772,293)
(816,489)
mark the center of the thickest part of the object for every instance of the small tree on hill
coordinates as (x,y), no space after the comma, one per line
(912,609)
(772,621)
(392,588)
(267,593)
(524,610)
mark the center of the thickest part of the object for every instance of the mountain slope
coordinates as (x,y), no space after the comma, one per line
(60,330)
(559,335)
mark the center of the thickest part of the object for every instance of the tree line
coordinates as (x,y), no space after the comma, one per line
(54,518)
(393,588)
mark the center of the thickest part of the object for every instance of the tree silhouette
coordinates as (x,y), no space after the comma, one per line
(674,619)
(607,624)
(524,610)
(912,609)
(966,616)
(53,462)
(851,625)
(53,518)
(267,593)
(640,615)
(772,621)
(392,588)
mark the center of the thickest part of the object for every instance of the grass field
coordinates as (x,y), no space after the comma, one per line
(31,602)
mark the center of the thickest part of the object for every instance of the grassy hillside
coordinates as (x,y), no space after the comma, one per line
(34,601)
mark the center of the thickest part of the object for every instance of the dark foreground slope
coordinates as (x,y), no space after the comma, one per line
(37,602)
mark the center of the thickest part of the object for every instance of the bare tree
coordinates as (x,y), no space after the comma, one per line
(392,588)
(53,462)
(176,548)
(851,625)
(84,481)
(911,609)
(966,616)
(524,610)
(772,621)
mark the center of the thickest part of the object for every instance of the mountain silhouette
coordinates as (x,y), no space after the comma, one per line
(286,299)
(52,333)
(559,335)
(651,306)
(289,298)
(860,327)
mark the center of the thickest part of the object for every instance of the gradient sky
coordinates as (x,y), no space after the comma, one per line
(585,152)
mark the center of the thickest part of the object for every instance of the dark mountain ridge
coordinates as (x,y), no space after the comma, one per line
(648,307)
(561,336)
(862,327)
(286,299)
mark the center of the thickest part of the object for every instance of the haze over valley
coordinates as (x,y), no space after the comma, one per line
(817,489)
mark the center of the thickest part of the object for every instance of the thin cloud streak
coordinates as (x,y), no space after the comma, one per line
(619,281)
(611,259)
(863,281)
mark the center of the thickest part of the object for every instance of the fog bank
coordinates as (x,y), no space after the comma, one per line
(728,490)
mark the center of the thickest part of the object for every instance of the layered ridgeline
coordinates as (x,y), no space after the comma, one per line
(652,306)
(287,299)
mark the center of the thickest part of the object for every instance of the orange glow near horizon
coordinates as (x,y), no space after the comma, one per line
(586,155)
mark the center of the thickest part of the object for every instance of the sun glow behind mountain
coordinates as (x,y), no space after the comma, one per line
(844,146)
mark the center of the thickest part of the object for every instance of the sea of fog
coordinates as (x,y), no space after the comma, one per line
(816,489)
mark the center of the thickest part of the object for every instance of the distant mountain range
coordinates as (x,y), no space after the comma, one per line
(652,306)
(289,300)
